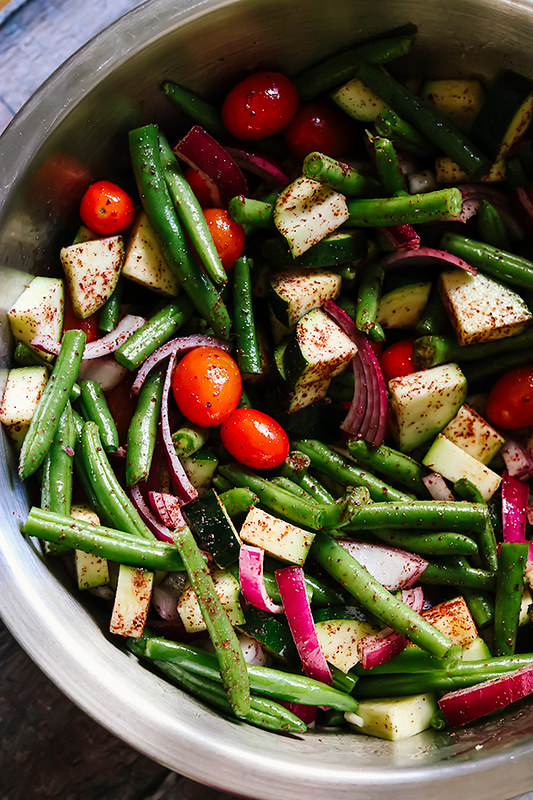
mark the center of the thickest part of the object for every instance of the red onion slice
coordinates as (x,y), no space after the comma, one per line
(403,237)
(168,508)
(160,531)
(393,568)
(260,165)
(378,648)
(437,487)
(177,346)
(219,170)
(252,580)
(466,705)
(515,496)
(180,480)
(518,459)
(367,416)
(291,586)
(100,347)
(428,255)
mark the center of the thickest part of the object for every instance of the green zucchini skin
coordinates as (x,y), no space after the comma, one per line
(213,528)
(501,111)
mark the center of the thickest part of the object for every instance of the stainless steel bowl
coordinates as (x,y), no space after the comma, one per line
(83,112)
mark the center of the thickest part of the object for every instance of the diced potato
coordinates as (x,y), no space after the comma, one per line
(92,269)
(481,309)
(23,390)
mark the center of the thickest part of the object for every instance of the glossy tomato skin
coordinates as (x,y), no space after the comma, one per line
(106,208)
(72,322)
(260,105)
(255,439)
(397,360)
(207,386)
(198,186)
(227,234)
(510,401)
(319,127)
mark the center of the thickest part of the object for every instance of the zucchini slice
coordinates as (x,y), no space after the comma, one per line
(505,115)
(213,528)
(294,292)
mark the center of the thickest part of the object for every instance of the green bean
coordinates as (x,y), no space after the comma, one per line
(397,467)
(335,467)
(323,77)
(153,191)
(403,135)
(26,357)
(248,353)
(238,500)
(432,350)
(481,606)
(263,713)
(229,658)
(368,296)
(500,264)
(339,176)
(52,403)
(195,107)
(106,542)
(455,571)
(488,546)
(56,494)
(263,680)
(423,515)
(190,213)
(430,544)
(94,407)
(109,499)
(491,226)
(142,429)
(155,332)
(434,319)
(375,598)
(301,511)
(509,588)
(188,439)
(434,127)
(458,676)
(296,467)
(248,211)
(479,372)
(109,314)
(387,165)
(408,209)
(291,486)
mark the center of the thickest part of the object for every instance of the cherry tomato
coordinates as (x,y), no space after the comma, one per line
(397,360)
(260,105)
(254,439)
(228,235)
(199,186)
(72,322)
(319,127)
(510,401)
(106,208)
(207,386)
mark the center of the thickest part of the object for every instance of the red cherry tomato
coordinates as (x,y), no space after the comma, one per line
(510,401)
(260,105)
(254,439)
(207,386)
(72,322)
(199,187)
(319,127)
(106,208)
(228,235)
(397,360)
